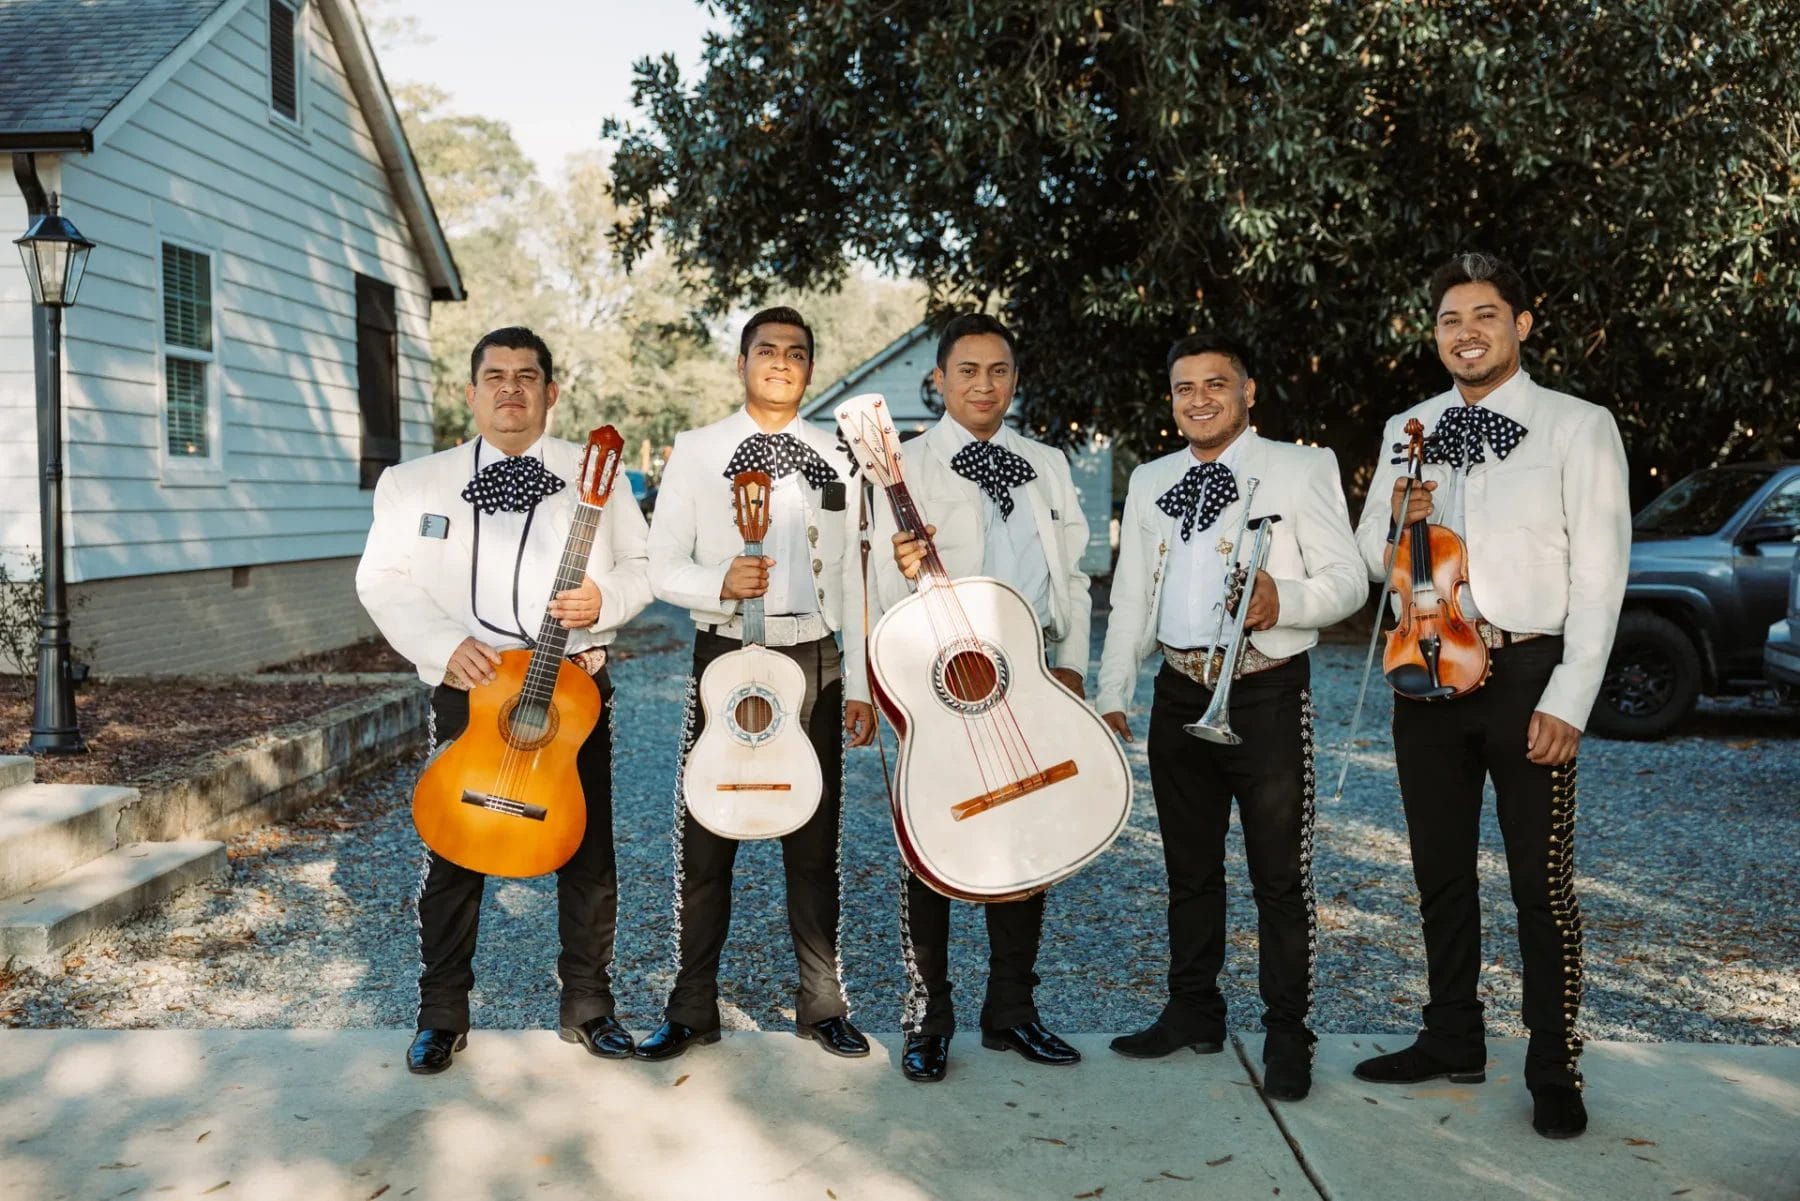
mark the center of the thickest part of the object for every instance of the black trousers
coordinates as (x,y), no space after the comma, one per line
(809,855)
(1271,776)
(1444,750)
(587,894)
(1014,929)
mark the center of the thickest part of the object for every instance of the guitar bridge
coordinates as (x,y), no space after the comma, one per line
(503,804)
(755,788)
(1015,790)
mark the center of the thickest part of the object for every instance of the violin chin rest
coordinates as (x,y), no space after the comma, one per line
(1412,680)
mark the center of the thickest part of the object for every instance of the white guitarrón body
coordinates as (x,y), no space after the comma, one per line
(955,750)
(1007,782)
(753,772)
(747,778)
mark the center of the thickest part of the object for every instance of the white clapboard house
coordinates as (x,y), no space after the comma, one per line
(250,346)
(901,372)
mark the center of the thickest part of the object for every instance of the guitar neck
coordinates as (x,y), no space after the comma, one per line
(751,609)
(546,657)
(911,521)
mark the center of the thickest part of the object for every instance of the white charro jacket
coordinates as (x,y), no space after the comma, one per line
(1548,528)
(694,536)
(1312,556)
(417,586)
(955,505)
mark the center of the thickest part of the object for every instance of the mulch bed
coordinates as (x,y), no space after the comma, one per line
(133,727)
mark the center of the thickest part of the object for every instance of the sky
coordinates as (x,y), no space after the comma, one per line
(551,69)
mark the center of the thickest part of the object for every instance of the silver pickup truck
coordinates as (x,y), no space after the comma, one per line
(1710,565)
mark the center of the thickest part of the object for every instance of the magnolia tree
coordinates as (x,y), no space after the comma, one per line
(1109,176)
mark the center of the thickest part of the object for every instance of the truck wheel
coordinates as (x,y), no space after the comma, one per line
(1652,679)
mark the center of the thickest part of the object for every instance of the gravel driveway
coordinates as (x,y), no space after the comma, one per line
(1686,856)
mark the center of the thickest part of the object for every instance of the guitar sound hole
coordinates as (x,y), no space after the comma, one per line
(528,726)
(970,677)
(754,714)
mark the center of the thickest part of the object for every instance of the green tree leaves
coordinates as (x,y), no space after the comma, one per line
(1114,175)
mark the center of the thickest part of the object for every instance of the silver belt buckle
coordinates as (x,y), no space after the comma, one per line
(778,631)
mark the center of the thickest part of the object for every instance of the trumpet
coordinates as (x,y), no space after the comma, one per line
(1215,724)
(1235,575)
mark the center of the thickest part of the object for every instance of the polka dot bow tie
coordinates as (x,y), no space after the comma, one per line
(780,455)
(1200,497)
(996,470)
(514,484)
(1464,432)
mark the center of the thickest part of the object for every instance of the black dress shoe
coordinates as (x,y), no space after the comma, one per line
(431,1050)
(1287,1077)
(602,1036)
(1414,1065)
(671,1039)
(1557,1111)
(1157,1040)
(925,1058)
(1033,1042)
(836,1035)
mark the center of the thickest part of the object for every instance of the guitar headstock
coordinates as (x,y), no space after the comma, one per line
(750,500)
(600,465)
(868,429)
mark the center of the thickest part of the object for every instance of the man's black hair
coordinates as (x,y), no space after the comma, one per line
(779,315)
(1474,267)
(1212,342)
(512,337)
(968,325)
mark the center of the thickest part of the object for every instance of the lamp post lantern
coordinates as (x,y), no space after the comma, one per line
(55,256)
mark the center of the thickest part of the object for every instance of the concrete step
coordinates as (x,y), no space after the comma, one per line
(48,829)
(98,894)
(17,769)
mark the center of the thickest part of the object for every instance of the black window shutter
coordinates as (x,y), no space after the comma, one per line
(284,90)
(377,376)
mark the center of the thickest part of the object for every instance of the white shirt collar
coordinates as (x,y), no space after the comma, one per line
(488,453)
(1509,399)
(1232,458)
(1002,436)
(747,424)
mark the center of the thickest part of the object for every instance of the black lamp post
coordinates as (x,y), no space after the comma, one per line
(55,257)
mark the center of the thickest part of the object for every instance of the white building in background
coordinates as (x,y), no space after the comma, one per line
(901,371)
(251,344)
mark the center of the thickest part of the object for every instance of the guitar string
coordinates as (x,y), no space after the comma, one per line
(987,739)
(1008,746)
(515,764)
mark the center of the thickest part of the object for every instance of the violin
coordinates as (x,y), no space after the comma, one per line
(1435,652)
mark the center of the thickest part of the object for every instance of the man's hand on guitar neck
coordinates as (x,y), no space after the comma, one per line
(577,608)
(471,663)
(909,551)
(747,578)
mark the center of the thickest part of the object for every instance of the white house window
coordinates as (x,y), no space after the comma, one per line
(187,351)
(285,46)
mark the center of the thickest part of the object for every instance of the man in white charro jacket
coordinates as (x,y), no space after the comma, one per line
(460,561)
(1004,506)
(1534,482)
(1176,543)
(810,582)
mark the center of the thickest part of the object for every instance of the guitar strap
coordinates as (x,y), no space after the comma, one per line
(862,521)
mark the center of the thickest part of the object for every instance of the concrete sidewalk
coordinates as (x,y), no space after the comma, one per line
(322,1115)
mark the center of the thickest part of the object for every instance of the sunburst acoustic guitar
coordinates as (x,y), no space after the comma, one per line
(502,798)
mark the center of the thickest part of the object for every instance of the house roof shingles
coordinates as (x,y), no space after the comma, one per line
(64,64)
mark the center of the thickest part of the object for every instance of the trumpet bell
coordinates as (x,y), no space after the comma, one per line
(1219,732)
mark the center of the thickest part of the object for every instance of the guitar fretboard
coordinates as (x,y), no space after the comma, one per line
(547,655)
(752,607)
(906,515)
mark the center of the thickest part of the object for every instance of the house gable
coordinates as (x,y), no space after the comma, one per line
(284,218)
